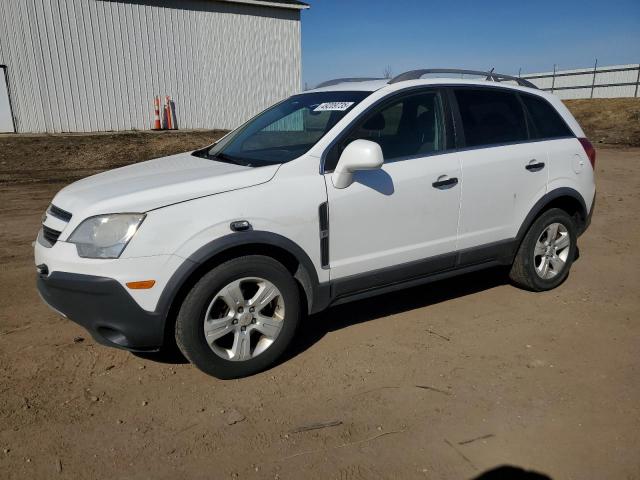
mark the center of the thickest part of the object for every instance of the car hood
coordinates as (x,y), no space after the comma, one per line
(157,183)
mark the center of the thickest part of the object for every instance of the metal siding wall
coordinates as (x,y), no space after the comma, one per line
(95,65)
(584,76)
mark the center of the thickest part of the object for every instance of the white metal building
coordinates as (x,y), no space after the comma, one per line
(95,65)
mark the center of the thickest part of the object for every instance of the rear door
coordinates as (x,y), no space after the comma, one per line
(504,172)
(408,210)
(568,164)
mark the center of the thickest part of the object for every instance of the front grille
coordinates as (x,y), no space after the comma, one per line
(50,235)
(59,213)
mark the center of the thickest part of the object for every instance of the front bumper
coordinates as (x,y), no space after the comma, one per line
(103,307)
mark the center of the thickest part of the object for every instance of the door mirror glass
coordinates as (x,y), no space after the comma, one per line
(358,155)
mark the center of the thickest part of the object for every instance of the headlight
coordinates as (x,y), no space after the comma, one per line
(105,236)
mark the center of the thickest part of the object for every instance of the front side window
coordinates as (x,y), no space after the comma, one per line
(547,123)
(286,130)
(491,117)
(409,126)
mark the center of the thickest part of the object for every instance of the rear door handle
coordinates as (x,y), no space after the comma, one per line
(534,166)
(444,182)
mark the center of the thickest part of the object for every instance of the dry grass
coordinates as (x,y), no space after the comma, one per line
(27,158)
(609,120)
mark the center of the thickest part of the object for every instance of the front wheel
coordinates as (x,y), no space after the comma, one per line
(546,253)
(239,318)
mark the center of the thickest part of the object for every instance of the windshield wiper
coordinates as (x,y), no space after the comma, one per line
(220,157)
(227,159)
(204,153)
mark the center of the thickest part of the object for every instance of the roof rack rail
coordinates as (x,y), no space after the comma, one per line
(496,77)
(336,81)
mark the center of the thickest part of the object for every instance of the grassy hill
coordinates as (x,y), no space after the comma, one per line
(609,120)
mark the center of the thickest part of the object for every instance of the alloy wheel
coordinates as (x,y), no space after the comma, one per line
(551,251)
(244,319)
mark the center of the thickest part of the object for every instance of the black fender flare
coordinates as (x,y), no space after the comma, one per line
(317,294)
(541,204)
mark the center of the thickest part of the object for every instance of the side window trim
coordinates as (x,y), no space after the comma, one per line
(528,119)
(388,100)
(458,130)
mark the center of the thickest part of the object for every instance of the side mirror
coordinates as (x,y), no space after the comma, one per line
(359,155)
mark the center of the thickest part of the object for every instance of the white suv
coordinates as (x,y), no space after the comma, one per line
(353,189)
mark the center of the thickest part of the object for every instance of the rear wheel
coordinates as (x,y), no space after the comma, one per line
(239,318)
(546,253)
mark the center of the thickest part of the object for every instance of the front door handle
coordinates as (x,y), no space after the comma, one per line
(534,166)
(444,182)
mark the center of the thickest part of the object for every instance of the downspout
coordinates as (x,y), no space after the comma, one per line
(11,111)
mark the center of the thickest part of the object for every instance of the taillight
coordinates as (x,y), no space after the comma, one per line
(590,151)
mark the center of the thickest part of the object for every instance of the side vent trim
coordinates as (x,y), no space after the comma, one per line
(323,213)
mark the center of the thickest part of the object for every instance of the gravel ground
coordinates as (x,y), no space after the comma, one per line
(444,381)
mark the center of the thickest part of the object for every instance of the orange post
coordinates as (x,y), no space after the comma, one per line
(169,113)
(156,116)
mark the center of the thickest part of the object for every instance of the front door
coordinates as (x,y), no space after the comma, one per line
(405,214)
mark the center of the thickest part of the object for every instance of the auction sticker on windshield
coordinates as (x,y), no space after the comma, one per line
(333,107)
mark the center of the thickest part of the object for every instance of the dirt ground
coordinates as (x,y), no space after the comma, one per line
(608,120)
(444,381)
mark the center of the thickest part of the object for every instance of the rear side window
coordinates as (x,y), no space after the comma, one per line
(547,122)
(491,117)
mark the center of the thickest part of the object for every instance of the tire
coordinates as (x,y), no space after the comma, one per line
(528,269)
(207,305)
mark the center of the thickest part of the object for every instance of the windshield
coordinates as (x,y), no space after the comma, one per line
(285,131)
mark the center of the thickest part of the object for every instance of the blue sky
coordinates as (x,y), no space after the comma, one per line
(361,37)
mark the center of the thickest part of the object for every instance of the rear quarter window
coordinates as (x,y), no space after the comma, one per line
(547,122)
(491,117)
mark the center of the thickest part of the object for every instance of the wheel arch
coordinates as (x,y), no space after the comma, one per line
(269,244)
(565,198)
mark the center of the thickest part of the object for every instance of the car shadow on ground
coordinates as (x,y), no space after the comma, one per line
(335,318)
(508,472)
(315,327)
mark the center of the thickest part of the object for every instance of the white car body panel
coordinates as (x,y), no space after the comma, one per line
(63,257)
(185,227)
(197,222)
(569,167)
(153,184)
(393,215)
(498,192)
